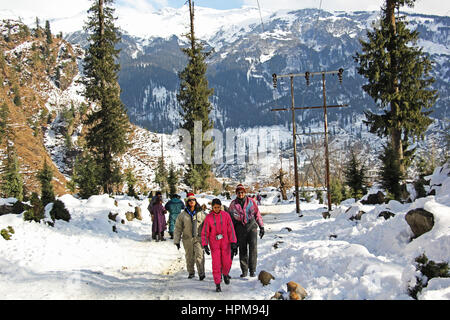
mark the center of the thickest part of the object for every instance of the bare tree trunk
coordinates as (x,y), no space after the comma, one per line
(396,133)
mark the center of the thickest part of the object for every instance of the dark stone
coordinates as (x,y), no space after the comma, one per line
(326,215)
(6,209)
(420,221)
(112,216)
(386,215)
(374,198)
(358,216)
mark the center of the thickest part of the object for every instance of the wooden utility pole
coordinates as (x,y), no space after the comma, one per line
(294,137)
(307,75)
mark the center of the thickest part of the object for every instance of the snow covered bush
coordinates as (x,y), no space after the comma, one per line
(36,212)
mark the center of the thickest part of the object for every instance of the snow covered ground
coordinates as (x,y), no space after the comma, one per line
(334,258)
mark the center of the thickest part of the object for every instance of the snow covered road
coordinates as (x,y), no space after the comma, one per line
(334,258)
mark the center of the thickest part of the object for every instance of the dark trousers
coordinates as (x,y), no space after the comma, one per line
(247,238)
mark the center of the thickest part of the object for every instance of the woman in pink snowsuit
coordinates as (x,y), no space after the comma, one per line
(218,233)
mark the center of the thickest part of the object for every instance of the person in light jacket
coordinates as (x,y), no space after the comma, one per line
(218,234)
(246,218)
(188,227)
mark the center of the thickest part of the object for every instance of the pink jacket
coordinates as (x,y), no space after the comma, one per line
(215,224)
(245,214)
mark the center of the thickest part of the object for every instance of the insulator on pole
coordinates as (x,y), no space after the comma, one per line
(340,74)
(307,73)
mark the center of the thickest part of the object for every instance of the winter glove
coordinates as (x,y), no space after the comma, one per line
(234,249)
(207,250)
(178,246)
(261,232)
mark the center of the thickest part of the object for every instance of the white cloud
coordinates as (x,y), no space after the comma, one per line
(46,9)
(438,7)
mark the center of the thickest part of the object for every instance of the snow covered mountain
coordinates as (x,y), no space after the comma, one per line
(246,53)
(44,107)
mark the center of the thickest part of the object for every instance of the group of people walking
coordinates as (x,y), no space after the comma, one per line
(221,234)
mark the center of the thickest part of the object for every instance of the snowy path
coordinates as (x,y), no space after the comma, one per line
(70,262)
(331,258)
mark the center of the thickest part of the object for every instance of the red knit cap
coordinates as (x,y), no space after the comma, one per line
(240,187)
(190,196)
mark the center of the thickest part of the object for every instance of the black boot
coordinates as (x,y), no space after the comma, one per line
(201,277)
(226,279)
(218,289)
(252,274)
(191,276)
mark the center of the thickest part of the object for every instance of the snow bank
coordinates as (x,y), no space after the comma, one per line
(336,258)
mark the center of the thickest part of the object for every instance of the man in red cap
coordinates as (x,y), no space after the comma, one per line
(246,219)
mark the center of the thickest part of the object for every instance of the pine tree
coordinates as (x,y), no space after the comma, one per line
(36,212)
(48,33)
(12,185)
(131,182)
(391,175)
(86,176)
(108,124)
(172,179)
(4,112)
(45,177)
(38,31)
(336,190)
(355,176)
(398,75)
(193,97)
(161,175)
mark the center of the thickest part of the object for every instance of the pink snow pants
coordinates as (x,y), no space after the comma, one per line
(221,260)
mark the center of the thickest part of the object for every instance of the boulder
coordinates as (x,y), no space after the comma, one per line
(265,277)
(355,213)
(112,216)
(19,207)
(6,209)
(374,198)
(296,291)
(129,216)
(386,215)
(279,295)
(420,221)
(138,213)
(357,216)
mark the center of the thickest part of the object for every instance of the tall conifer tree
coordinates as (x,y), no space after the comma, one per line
(193,97)
(108,124)
(12,184)
(355,176)
(45,177)
(398,75)
(48,32)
